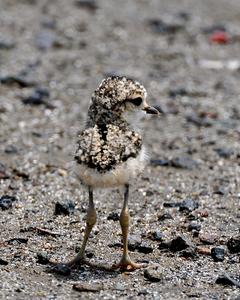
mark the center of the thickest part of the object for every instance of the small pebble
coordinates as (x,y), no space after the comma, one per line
(6,201)
(42,258)
(3,262)
(180,243)
(134,242)
(114,216)
(87,287)
(193,226)
(165,216)
(208,238)
(233,244)
(153,274)
(145,248)
(224,152)
(15,79)
(91,5)
(62,269)
(188,205)
(156,235)
(65,208)
(184,162)
(38,97)
(18,240)
(220,37)
(159,26)
(203,250)
(217,254)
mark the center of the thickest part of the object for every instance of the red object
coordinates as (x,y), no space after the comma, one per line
(219,37)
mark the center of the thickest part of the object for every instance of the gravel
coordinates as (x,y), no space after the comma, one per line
(53,54)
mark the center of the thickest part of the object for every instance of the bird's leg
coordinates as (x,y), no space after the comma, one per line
(125,263)
(90,222)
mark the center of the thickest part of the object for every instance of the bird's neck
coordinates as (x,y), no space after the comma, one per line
(101,116)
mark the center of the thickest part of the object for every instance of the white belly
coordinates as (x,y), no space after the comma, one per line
(120,175)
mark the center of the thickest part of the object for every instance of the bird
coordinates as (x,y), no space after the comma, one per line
(110,153)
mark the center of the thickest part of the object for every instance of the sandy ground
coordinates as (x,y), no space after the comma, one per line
(65,48)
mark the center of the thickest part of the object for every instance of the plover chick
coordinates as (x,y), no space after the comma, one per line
(110,152)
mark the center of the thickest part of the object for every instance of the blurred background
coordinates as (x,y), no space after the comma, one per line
(53,54)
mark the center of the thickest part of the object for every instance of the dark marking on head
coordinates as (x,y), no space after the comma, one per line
(135,101)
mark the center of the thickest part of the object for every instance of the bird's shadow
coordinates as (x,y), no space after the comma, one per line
(82,273)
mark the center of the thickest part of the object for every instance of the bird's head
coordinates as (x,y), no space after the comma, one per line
(121,95)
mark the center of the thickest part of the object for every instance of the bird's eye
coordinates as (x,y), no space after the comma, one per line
(136,101)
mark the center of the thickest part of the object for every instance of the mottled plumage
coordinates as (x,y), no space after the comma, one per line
(109,143)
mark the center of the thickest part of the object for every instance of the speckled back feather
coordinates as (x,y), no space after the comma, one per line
(108,139)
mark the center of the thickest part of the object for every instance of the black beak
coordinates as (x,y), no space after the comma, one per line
(151,110)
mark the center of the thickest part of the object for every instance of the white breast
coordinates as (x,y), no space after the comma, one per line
(120,175)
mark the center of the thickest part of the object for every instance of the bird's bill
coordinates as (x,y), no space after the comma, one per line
(151,110)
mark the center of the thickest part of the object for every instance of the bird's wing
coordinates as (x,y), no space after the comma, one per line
(103,150)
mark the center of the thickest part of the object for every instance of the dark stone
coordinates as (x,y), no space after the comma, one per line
(159,26)
(188,253)
(188,205)
(3,262)
(87,287)
(90,5)
(149,193)
(113,216)
(233,244)
(220,190)
(160,162)
(6,201)
(213,28)
(184,162)
(217,254)
(224,152)
(38,97)
(115,245)
(171,204)
(18,240)
(145,248)
(21,174)
(65,208)
(6,45)
(11,149)
(89,254)
(14,79)
(165,216)
(180,243)
(227,280)
(143,292)
(156,235)
(165,245)
(42,258)
(153,274)
(193,226)
(62,269)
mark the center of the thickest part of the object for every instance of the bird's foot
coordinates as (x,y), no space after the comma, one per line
(126,264)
